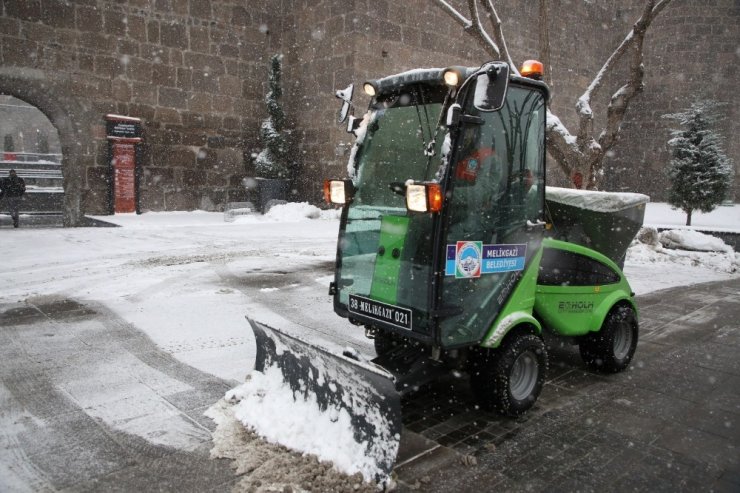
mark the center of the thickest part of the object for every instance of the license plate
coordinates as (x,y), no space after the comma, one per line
(394,315)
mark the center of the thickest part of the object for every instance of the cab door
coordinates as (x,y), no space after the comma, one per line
(496,179)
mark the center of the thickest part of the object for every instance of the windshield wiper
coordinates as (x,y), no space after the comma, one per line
(428,147)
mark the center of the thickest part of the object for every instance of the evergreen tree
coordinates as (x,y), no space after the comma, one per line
(699,170)
(273,161)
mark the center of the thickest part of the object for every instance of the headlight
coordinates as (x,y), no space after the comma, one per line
(424,197)
(338,191)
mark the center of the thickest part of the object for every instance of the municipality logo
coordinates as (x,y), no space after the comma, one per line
(468,259)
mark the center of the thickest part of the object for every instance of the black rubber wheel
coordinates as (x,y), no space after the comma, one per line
(509,379)
(610,350)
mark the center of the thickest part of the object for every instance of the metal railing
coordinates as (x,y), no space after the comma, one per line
(39,169)
(30,158)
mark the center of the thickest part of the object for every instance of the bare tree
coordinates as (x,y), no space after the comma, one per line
(580,156)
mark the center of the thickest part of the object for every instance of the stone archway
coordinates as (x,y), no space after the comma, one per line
(69,117)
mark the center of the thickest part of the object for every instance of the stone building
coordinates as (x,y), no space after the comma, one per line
(195,72)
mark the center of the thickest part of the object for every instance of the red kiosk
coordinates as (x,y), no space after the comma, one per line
(124,152)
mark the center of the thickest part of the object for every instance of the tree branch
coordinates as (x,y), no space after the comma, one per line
(620,100)
(474,27)
(580,155)
(561,144)
(633,40)
(498,33)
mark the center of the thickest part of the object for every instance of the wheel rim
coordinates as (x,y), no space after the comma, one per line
(622,340)
(524,375)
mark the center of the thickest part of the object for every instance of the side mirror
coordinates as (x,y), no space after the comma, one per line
(454,115)
(491,86)
(346,96)
(353,124)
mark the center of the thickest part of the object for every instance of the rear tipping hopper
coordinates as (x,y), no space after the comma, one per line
(603,221)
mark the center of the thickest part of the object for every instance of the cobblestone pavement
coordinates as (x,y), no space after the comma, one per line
(88,403)
(670,423)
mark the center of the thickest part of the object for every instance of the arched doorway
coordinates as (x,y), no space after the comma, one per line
(69,117)
(32,148)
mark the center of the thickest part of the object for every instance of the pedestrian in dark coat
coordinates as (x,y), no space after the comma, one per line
(13,188)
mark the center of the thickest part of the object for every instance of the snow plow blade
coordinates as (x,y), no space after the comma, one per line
(338,384)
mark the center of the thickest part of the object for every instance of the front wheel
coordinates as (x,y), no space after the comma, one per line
(610,350)
(509,379)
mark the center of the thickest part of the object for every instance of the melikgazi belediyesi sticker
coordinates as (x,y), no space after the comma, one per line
(470,259)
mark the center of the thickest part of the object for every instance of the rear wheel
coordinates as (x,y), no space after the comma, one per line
(509,379)
(610,350)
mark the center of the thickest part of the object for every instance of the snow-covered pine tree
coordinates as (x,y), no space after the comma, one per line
(273,161)
(699,170)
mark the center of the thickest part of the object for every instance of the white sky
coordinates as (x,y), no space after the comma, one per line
(188,279)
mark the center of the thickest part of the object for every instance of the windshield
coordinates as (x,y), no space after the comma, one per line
(385,259)
(395,149)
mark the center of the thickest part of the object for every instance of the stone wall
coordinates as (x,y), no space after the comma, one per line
(336,43)
(692,52)
(195,72)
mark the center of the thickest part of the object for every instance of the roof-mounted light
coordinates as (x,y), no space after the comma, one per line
(370,88)
(453,76)
(532,69)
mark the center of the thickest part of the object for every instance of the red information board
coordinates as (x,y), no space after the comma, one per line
(124,179)
(124,138)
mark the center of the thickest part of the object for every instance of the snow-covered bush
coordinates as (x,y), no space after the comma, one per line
(679,248)
(648,235)
(291,211)
(683,239)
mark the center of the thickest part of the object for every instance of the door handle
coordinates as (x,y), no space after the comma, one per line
(536,224)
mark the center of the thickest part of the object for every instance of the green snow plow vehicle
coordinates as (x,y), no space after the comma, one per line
(453,256)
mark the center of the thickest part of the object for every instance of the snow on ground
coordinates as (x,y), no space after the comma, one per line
(654,267)
(188,279)
(723,218)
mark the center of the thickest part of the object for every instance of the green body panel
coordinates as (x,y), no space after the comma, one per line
(518,308)
(393,231)
(578,310)
(566,310)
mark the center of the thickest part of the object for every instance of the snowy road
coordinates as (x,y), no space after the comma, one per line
(186,281)
(87,401)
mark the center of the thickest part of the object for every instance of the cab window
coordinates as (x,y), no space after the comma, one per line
(563,268)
